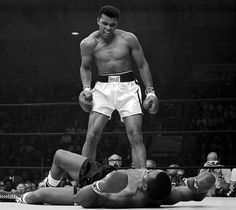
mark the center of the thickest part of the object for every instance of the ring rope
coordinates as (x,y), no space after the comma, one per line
(161,167)
(76,103)
(119,132)
(41,104)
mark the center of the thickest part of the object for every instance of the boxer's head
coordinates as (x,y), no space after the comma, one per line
(107,21)
(109,11)
(157,184)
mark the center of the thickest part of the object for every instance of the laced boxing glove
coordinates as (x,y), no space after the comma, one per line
(112,183)
(86,99)
(201,183)
(151,103)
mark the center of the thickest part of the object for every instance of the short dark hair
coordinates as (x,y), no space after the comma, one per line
(109,11)
(160,187)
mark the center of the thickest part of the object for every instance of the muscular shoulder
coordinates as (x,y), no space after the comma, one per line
(130,38)
(89,42)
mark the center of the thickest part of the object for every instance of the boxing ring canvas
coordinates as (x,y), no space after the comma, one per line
(209,203)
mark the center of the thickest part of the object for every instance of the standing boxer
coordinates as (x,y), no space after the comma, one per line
(116,88)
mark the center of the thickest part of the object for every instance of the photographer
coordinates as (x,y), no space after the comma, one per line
(176,175)
(232,187)
(222,175)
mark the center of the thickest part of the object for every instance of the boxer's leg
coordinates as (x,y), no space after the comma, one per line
(63,162)
(66,162)
(133,125)
(56,196)
(98,118)
(129,106)
(97,122)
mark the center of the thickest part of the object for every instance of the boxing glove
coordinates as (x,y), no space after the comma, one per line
(86,100)
(201,183)
(151,103)
(112,183)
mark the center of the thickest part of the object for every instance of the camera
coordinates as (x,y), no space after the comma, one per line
(213,162)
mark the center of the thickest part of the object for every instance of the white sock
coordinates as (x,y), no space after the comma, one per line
(52,182)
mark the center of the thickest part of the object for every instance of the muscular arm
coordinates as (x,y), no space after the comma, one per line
(182,193)
(124,199)
(142,65)
(196,189)
(87,198)
(112,191)
(86,47)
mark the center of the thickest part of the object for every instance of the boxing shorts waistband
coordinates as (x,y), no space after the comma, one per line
(126,77)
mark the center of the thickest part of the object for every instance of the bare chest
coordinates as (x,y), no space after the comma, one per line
(117,50)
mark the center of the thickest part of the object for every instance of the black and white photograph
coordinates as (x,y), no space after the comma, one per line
(118,104)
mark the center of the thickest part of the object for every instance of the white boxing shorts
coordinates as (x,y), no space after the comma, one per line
(125,97)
